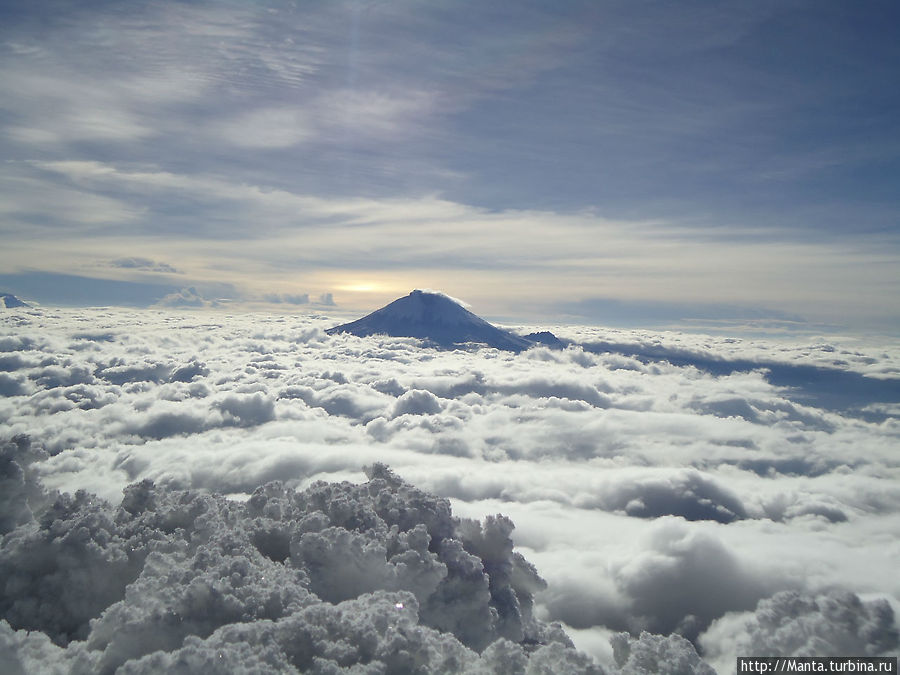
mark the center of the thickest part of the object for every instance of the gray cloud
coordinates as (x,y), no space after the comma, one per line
(797,624)
(682,581)
(10,385)
(50,377)
(186,297)
(675,580)
(378,574)
(657,654)
(189,372)
(13,362)
(146,371)
(688,494)
(143,264)
(416,402)
(288,298)
(247,411)
(326,299)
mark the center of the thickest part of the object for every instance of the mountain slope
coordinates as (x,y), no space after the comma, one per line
(434,317)
(8,300)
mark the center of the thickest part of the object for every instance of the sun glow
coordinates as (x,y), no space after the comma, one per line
(363,287)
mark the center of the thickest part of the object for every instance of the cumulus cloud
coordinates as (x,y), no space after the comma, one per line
(416,402)
(790,623)
(10,385)
(22,490)
(671,580)
(247,410)
(186,297)
(379,575)
(683,580)
(657,654)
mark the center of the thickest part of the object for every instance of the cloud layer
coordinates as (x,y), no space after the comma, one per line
(652,495)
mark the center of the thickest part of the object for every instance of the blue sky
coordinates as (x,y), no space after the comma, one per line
(571,160)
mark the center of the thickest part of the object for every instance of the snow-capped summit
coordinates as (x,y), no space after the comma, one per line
(8,300)
(432,316)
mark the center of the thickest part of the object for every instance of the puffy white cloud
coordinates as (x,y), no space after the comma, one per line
(12,385)
(416,402)
(791,623)
(650,653)
(683,579)
(378,575)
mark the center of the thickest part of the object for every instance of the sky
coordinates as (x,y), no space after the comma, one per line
(582,161)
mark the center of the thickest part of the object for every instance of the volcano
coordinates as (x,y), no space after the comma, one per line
(435,318)
(8,301)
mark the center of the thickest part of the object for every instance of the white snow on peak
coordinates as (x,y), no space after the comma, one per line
(431,291)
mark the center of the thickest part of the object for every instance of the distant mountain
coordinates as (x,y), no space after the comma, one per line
(435,317)
(8,300)
(546,338)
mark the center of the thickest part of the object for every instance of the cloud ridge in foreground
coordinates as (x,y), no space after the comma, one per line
(372,577)
(378,575)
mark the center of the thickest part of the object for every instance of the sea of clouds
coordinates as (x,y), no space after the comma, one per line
(742,493)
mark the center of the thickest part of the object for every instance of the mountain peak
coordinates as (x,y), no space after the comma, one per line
(435,317)
(418,292)
(8,300)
